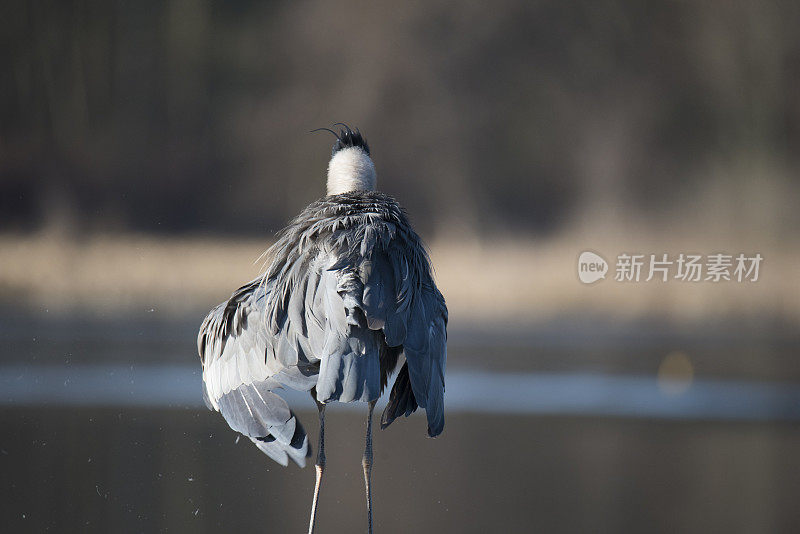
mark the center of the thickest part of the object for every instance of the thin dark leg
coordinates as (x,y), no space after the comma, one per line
(319,466)
(366,463)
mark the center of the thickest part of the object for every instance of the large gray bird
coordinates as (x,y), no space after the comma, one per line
(347,296)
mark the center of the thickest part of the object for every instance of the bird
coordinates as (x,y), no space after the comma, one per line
(346,299)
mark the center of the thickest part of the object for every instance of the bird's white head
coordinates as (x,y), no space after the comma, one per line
(350,168)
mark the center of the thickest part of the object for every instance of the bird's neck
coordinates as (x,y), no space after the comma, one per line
(350,169)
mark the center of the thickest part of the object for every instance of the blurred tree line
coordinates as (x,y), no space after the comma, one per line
(194,116)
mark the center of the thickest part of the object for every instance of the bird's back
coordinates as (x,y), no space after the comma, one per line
(348,272)
(347,291)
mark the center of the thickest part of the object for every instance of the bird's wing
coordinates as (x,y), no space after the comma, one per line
(239,377)
(401,299)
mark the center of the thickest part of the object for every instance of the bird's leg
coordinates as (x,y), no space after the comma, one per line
(366,463)
(319,465)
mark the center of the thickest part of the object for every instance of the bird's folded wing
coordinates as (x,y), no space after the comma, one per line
(401,299)
(239,377)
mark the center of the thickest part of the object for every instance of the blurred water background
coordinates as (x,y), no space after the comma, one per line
(150,150)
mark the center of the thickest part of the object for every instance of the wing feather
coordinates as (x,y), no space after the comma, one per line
(239,376)
(401,299)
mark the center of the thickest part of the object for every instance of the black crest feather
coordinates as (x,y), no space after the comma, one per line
(347,138)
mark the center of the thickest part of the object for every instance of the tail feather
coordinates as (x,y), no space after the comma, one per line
(401,399)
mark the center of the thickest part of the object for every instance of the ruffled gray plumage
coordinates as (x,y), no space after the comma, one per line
(347,290)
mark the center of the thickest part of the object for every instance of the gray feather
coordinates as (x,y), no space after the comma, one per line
(255,411)
(351,369)
(298,449)
(239,377)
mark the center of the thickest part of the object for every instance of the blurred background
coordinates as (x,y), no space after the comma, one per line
(149,151)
